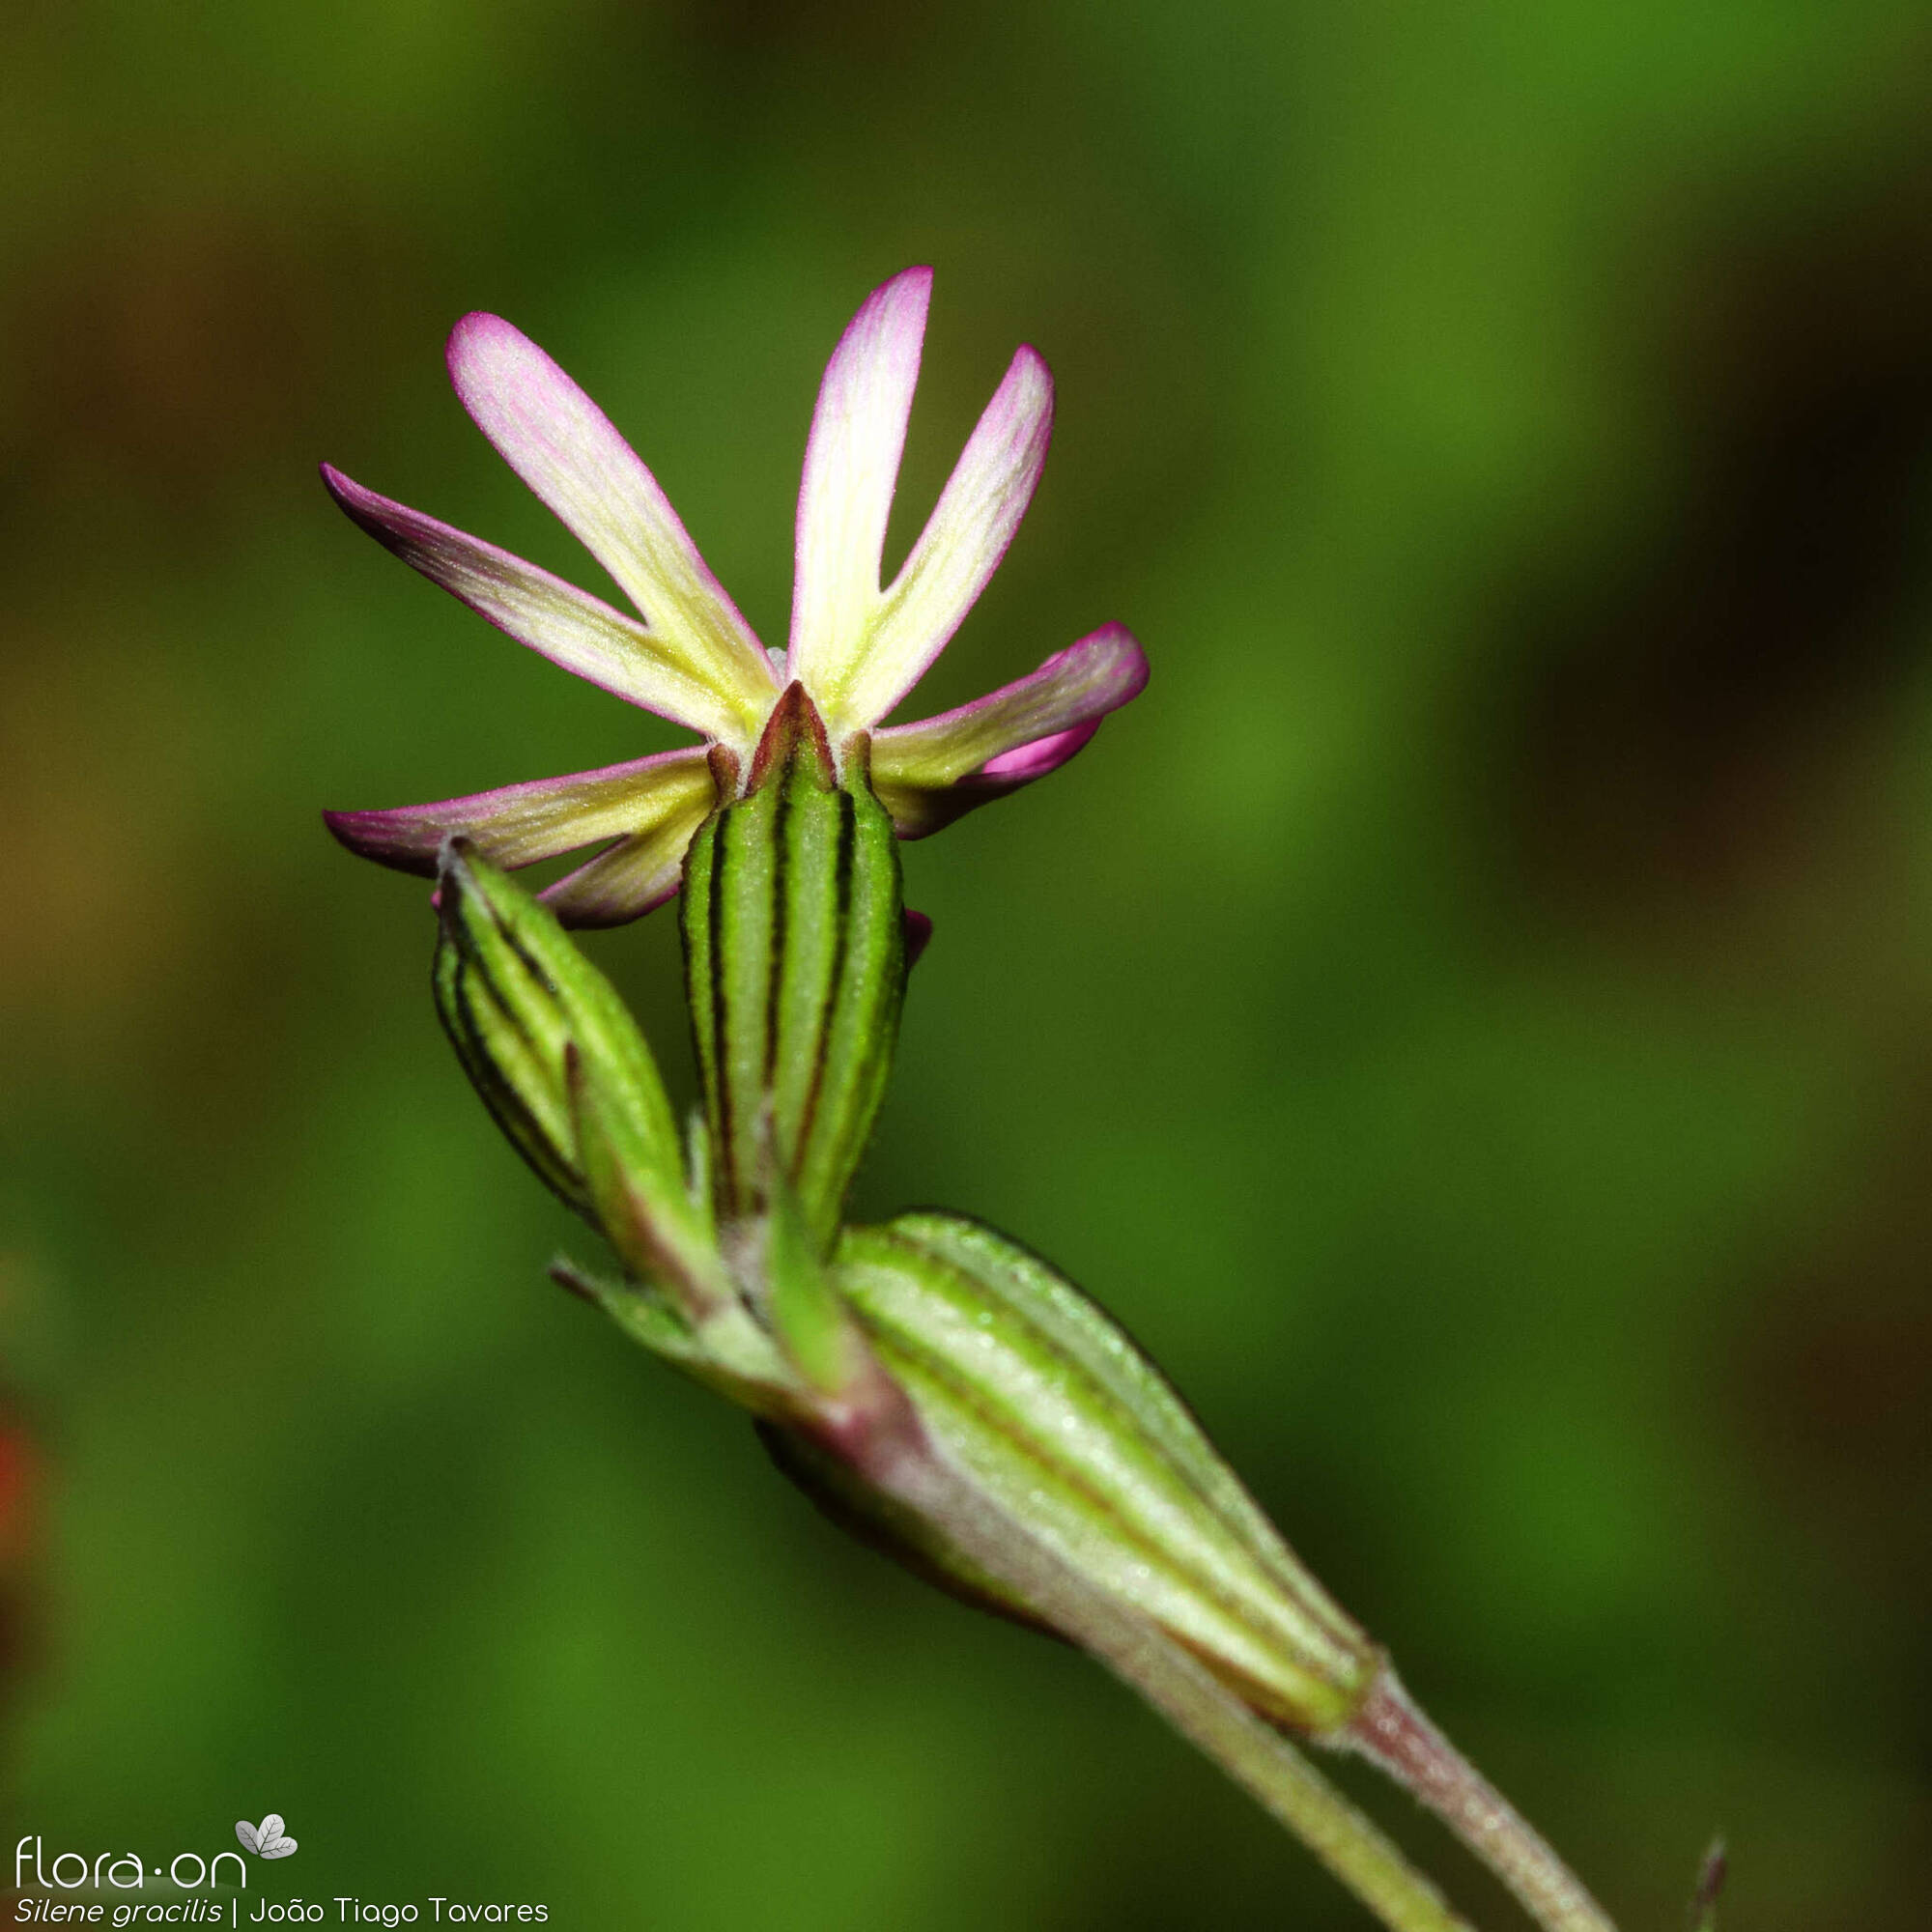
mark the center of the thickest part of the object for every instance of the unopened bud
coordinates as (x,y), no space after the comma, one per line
(1068,1429)
(562,1066)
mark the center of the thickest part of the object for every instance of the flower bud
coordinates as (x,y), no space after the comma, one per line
(795,964)
(551,1047)
(1065,1426)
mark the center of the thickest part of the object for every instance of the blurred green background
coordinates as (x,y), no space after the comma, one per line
(1472,1017)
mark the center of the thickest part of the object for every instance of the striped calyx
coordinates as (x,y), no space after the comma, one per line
(567,1075)
(515,997)
(794,946)
(1038,1397)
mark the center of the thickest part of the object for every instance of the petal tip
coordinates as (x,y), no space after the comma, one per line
(1133,669)
(917,279)
(345,827)
(478,333)
(891,320)
(1026,397)
(490,358)
(1029,358)
(348,496)
(388,837)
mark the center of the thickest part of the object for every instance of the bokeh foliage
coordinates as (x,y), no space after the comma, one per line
(1472,1017)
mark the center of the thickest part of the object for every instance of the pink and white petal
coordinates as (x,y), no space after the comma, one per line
(567,625)
(1027,762)
(851,470)
(929,774)
(1073,687)
(519,824)
(631,878)
(961,545)
(568,451)
(918,811)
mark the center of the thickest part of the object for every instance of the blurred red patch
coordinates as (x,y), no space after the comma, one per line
(16,1483)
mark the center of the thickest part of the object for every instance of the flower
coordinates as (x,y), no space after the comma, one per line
(856,648)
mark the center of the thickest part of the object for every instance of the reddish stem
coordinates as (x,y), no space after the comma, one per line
(1393,1732)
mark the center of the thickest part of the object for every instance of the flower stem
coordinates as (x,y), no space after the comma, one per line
(1189,1696)
(1394,1733)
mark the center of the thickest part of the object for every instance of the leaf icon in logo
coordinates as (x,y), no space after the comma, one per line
(266,1840)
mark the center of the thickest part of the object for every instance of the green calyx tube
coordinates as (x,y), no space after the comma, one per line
(794,942)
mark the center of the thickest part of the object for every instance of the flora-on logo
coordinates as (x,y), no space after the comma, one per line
(126,1871)
(267,1840)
